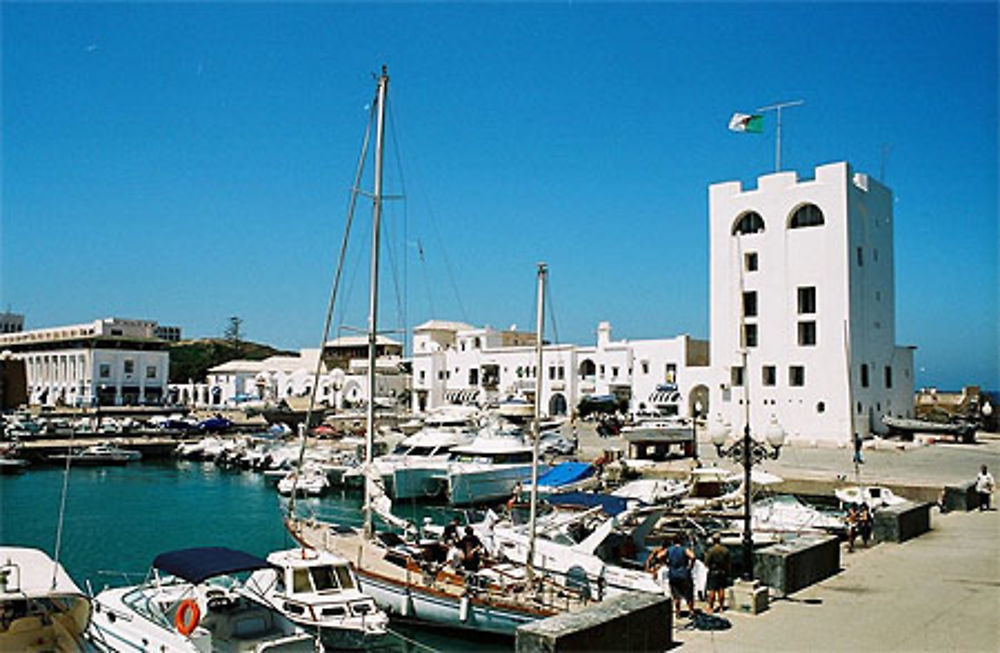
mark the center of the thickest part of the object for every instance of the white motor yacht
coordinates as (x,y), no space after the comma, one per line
(318,591)
(191,601)
(414,469)
(105,453)
(873,495)
(489,468)
(41,608)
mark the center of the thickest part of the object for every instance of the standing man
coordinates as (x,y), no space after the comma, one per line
(718,562)
(984,486)
(680,560)
(858,460)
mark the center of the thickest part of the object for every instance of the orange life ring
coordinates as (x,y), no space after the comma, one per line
(188,614)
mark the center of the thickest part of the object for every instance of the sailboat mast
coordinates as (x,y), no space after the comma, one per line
(383,89)
(535,427)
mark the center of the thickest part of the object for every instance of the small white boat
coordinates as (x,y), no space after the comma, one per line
(41,608)
(312,482)
(318,591)
(787,514)
(100,454)
(191,602)
(873,495)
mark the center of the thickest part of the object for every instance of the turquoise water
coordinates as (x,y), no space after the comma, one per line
(118,519)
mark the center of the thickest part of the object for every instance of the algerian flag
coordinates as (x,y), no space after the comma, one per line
(744,122)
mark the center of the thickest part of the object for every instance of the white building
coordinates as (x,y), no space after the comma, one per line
(808,266)
(110,361)
(454,362)
(343,376)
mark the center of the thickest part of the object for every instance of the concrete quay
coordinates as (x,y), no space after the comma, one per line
(936,592)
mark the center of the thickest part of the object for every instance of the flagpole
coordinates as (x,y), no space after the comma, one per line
(777,108)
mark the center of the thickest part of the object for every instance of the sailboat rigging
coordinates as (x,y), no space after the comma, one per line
(412,579)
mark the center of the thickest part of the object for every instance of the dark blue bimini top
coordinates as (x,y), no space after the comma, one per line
(197,564)
(612,505)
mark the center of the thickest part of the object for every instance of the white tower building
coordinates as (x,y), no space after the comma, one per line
(805,269)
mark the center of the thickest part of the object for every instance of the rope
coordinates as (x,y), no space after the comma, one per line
(410,640)
(62,513)
(333,298)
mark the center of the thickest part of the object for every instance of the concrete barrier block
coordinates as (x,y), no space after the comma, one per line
(790,566)
(629,622)
(960,497)
(901,522)
(749,596)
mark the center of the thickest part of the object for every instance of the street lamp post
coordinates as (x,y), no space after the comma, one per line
(748,452)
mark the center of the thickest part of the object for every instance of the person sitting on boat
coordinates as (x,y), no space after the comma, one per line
(450,534)
(472,550)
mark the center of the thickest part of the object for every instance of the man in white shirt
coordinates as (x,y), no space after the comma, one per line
(984,486)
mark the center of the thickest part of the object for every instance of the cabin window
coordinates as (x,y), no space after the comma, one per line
(129,366)
(807,215)
(748,223)
(300,581)
(151,371)
(104,371)
(323,578)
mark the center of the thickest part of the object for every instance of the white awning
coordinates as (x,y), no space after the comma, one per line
(662,397)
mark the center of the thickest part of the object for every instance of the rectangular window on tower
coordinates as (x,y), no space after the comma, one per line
(796,376)
(769,375)
(750,303)
(750,335)
(807,299)
(807,333)
(736,376)
(750,261)
(888,377)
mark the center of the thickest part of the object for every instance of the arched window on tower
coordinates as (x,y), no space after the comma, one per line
(807,215)
(748,223)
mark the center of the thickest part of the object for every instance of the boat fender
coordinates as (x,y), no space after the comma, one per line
(188,614)
(407,607)
(463,609)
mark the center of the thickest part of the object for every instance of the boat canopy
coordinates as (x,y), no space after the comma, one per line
(565,473)
(197,564)
(610,504)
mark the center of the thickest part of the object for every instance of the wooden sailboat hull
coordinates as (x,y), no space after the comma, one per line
(439,598)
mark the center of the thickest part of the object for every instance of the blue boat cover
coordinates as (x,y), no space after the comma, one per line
(612,505)
(197,564)
(565,473)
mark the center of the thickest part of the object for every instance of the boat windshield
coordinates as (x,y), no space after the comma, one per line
(325,579)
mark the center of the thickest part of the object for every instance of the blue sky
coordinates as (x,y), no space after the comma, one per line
(189,162)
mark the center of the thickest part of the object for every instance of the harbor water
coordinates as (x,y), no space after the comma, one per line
(117,519)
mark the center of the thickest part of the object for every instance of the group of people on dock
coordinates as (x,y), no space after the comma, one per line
(675,564)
